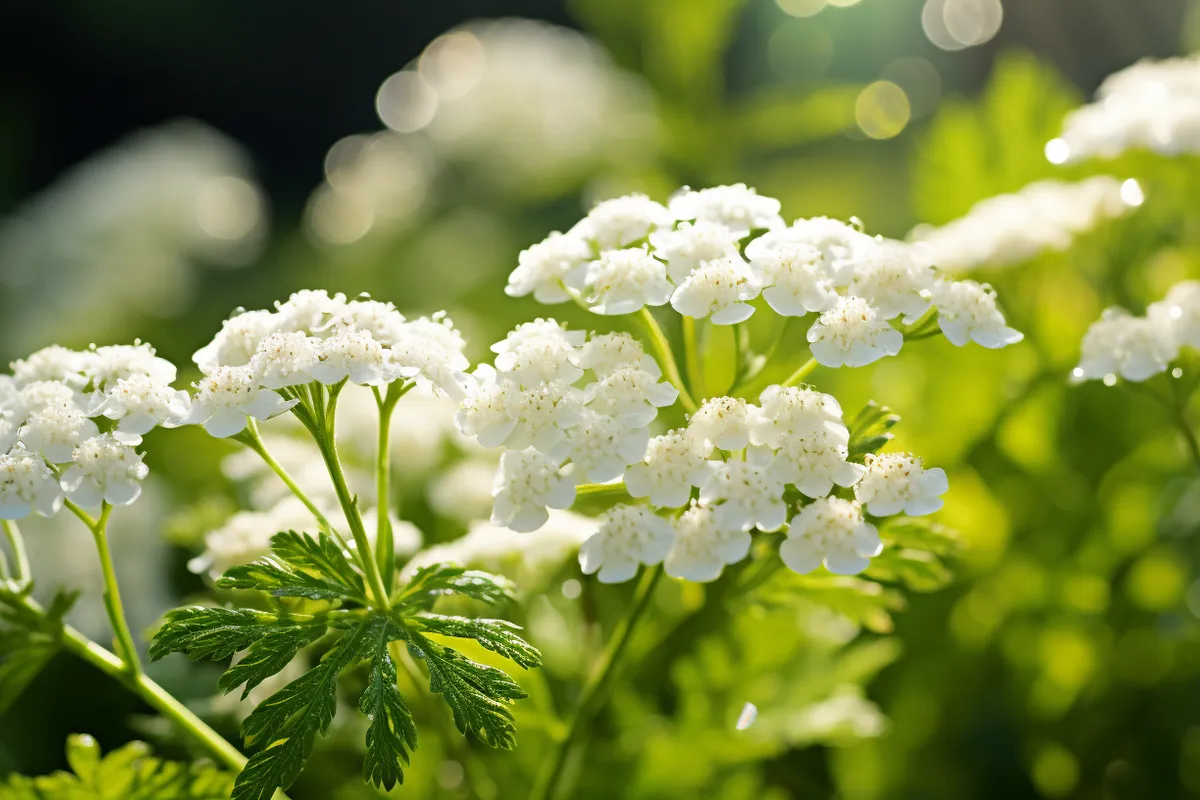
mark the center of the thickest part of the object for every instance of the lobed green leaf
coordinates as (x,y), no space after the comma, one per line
(322,556)
(497,635)
(271,575)
(438,580)
(218,633)
(392,733)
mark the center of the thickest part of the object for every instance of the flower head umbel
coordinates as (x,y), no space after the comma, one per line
(830,531)
(27,485)
(719,290)
(854,334)
(723,422)
(898,482)
(225,398)
(139,404)
(967,312)
(703,547)
(624,281)
(627,537)
(105,470)
(547,268)
(622,221)
(527,483)
(1135,348)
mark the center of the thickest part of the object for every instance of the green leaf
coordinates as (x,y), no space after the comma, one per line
(268,656)
(281,731)
(439,580)
(863,601)
(218,633)
(276,577)
(919,533)
(392,732)
(920,571)
(28,646)
(322,556)
(870,430)
(478,695)
(497,635)
(129,773)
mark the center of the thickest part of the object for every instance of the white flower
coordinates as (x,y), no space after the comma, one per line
(723,422)
(838,242)
(41,394)
(488,412)
(8,431)
(1180,311)
(53,363)
(833,531)
(1136,348)
(546,268)
(630,394)
(600,448)
(787,411)
(226,397)
(967,312)
(739,208)
(718,288)
(139,404)
(308,311)
(107,365)
(1014,228)
(748,492)
(674,463)
(528,482)
(356,356)
(853,334)
(376,317)
(623,281)
(703,547)
(896,482)
(892,278)
(26,485)
(622,221)
(543,414)
(104,470)
(691,244)
(627,536)
(286,358)
(236,342)
(608,352)
(814,461)
(430,350)
(794,277)
(538,352)
(55,429)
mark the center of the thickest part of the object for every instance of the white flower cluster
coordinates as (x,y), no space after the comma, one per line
(1152,105)
(52,410)
(696,253)
(727,474)
(1120,344)
(1014,228)
(315,336)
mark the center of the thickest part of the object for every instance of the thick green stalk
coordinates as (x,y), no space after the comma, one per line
(23,573)
(385,548)
(662,348)
(354,518)
(596,689)
(122,635)
(801,373)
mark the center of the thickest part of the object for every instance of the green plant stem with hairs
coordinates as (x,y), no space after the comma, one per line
(596,689)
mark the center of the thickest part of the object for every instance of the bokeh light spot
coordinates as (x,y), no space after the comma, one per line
(1132,194)
(571,589)
(453,64)
(802,8)
(1055,770)
(1157,581)
(1058,151)
(882,110)
(406,102)
(959,24)
(919,79)
(229,208)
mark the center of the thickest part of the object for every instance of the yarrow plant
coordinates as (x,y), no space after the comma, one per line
(580,415)
(70,425)
(701,485)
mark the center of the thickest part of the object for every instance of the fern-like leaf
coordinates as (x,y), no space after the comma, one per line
(392,733)
(497,635)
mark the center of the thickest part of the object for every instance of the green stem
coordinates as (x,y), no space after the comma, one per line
(154,695)
(749,381)
(122,635)
(801,373)
(254,441)
(385,549)
(597,686)
(663,348)
(738,361)
(23,573)
(691,357)
(349,505)
(599,488)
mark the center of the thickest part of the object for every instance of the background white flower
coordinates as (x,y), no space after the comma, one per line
(527,483)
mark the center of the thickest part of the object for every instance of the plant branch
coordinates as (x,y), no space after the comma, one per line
(385,549)
(691,357)
(254,441)
(597,686)
(801,373)
(663,348)
(23,572)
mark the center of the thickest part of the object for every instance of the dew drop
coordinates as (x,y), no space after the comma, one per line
(1110,379)
(1177,373)
(747,717)
(416,652)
